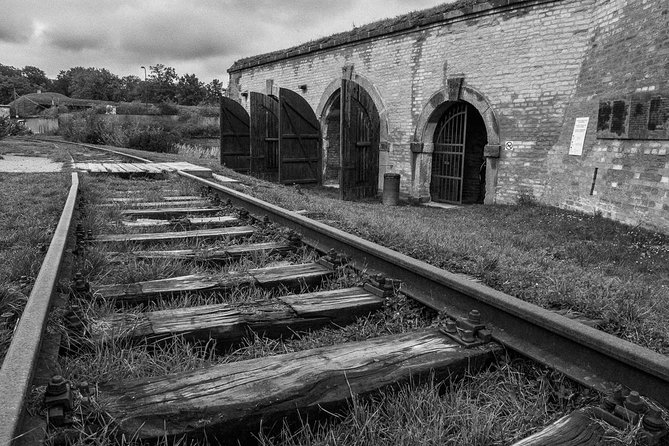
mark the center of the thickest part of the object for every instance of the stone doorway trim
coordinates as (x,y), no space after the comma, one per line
(422,146)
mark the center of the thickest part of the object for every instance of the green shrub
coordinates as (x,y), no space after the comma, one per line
(167,108)
(9,127)
(136,108)
(154,140)
(199,130)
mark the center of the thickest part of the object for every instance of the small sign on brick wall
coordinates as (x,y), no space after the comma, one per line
(578,136)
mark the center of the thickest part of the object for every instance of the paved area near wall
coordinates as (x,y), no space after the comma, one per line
(28,164)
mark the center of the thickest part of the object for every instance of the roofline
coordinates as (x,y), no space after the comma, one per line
(460,11)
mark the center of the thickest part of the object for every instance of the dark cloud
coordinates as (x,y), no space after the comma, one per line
(178,35)
(15,26)
(196,36)
(65,40)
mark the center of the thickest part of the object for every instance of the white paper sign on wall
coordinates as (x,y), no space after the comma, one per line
(578,137)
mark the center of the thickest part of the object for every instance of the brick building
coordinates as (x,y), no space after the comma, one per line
(488,100)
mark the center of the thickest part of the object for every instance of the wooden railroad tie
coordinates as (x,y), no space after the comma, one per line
(239,396)
(236,231)
(142,199)
(157,204)
(192,221)
(170,212)
(229,324)
(290,276)
(211,255)
(115,167)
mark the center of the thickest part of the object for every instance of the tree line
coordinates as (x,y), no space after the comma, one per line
(162,85)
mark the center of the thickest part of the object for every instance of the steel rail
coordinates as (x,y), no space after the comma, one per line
(21,359)
(589,356)
(90,146)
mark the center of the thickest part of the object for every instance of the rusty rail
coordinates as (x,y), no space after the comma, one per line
(19,363)
(589,356)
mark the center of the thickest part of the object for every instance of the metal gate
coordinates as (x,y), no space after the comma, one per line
(448,155)
(299,140)
(264,136)
(360,139)
(234,123)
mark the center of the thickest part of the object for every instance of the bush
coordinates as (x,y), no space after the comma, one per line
(166,108)
(154,140)
(136,108)
(93,128)
(199,130)
(9,127)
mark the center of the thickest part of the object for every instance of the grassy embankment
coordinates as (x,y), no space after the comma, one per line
(31,206)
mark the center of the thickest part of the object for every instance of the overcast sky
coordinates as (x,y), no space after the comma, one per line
(198,36)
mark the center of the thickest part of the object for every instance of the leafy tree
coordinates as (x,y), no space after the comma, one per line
(6,70)
(36,77)
(14,86)
(190,91)
(16,82)
(89,83)
(133,89)
(162,83)
(214,91)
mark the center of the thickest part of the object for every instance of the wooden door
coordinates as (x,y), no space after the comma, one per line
(299,140)
(264,136)
(360,137)
(449,155)
(235,144)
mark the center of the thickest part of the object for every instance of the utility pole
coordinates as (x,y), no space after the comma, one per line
(146,99)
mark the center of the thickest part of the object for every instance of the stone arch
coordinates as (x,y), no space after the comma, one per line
(426,126)
(323,112)
(331,89)
(439,101)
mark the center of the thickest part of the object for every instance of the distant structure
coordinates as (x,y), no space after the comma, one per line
(565,102)
(32,104)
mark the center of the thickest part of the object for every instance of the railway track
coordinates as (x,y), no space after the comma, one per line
(287,273)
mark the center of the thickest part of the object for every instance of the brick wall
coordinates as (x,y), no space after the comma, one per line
(538,64)
(629,55)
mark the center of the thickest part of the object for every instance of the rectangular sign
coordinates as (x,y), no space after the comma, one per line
(578,137)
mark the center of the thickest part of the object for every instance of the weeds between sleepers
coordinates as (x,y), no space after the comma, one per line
(119,359)
(342,429)
(554,258)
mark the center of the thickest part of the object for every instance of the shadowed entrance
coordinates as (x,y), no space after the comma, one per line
(458,164)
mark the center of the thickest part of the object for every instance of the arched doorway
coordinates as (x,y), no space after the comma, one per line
(458,164)
(351,141)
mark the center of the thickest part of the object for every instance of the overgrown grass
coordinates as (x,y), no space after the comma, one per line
(551,257)
(493,407)
(521,250)
(31,207)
